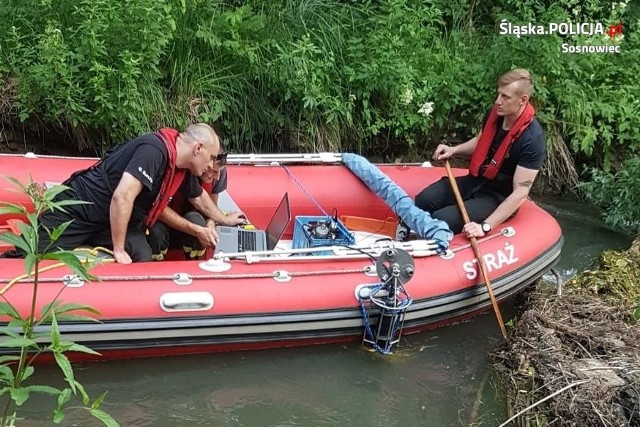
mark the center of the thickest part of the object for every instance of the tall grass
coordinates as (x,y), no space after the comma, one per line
(313,74)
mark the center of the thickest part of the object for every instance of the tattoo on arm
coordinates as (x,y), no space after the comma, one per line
(526,183)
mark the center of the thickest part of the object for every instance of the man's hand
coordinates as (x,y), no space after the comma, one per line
(443,152)
(207,236)
(235,218)
(121,256)
(473,229)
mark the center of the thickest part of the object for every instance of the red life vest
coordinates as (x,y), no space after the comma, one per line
(178,203)
(172,179)
(490,169)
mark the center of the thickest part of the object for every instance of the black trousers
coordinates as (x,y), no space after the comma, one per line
(161,238)
(84,232)
(438,199)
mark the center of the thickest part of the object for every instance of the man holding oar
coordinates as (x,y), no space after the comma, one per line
(505,159)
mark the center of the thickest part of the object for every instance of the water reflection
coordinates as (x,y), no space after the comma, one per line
(439,378)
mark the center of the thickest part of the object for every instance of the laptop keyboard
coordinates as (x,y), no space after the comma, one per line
(246,241)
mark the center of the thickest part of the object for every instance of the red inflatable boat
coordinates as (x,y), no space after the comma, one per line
(283,297)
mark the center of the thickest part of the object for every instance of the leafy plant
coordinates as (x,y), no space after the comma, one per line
(25,332)
(617,193)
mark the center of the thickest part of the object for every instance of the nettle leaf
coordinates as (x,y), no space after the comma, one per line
(51,192)
(6,309)
(11,330)
(83,349)
(71,261)
(67,370)
(64,397)
(6,374)
(69,202)
(55,234)
(29,262)
(8,359)
(17,241)
(58,415)
(44,389)
(47,309)
(83,392)
(54,332)
(71,307)
(77,318)
(104,417)
(28,371)
(17,183)
(10,208)
(96,403)
(18,342)
(19,395)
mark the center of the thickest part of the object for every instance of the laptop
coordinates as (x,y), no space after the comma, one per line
(237,239)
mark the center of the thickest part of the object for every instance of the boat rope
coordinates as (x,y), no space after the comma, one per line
(299,184)
(503,232)
(236,159)
(199,276)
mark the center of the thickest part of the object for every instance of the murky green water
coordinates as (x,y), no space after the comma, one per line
(439,378)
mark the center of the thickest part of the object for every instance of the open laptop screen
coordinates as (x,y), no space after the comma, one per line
(278,223)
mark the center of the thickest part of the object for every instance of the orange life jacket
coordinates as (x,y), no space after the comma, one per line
(478,159)
(172,179)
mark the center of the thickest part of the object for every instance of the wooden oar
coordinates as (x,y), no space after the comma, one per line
(476,249)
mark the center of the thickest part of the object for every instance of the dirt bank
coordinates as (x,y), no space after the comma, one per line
(579,351)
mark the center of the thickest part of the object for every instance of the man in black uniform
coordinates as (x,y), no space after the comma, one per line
(124,188)
(180,225)
(505,159)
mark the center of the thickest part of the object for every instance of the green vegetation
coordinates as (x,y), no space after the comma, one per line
(618,194)
(387,78)
(617,279)
(35,334)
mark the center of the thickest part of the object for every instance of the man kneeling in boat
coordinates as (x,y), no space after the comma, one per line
(130,187)
(505,159)
(189,230)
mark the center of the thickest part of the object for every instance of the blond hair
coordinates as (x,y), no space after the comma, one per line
(520,75)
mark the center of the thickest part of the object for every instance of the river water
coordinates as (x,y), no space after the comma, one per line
(438,378)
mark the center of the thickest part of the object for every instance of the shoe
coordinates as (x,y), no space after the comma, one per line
(11,254)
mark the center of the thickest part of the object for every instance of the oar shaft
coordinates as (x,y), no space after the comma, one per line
(476,249)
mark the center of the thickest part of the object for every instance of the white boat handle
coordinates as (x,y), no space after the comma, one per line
(186,301)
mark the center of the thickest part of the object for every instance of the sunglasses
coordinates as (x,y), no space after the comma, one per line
(221,158)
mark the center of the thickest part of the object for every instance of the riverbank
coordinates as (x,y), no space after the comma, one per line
(574,359)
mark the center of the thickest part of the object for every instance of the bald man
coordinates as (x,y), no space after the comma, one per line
(505,159)
(180,225)
(127,190)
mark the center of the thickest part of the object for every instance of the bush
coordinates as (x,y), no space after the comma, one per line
(617,193)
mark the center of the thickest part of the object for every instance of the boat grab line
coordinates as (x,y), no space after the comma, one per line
(507,232)
(201,276)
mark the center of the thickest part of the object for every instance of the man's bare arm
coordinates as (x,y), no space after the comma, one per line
(177,222)
(466,149)
(205,205)
(522,183)
(120,213)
